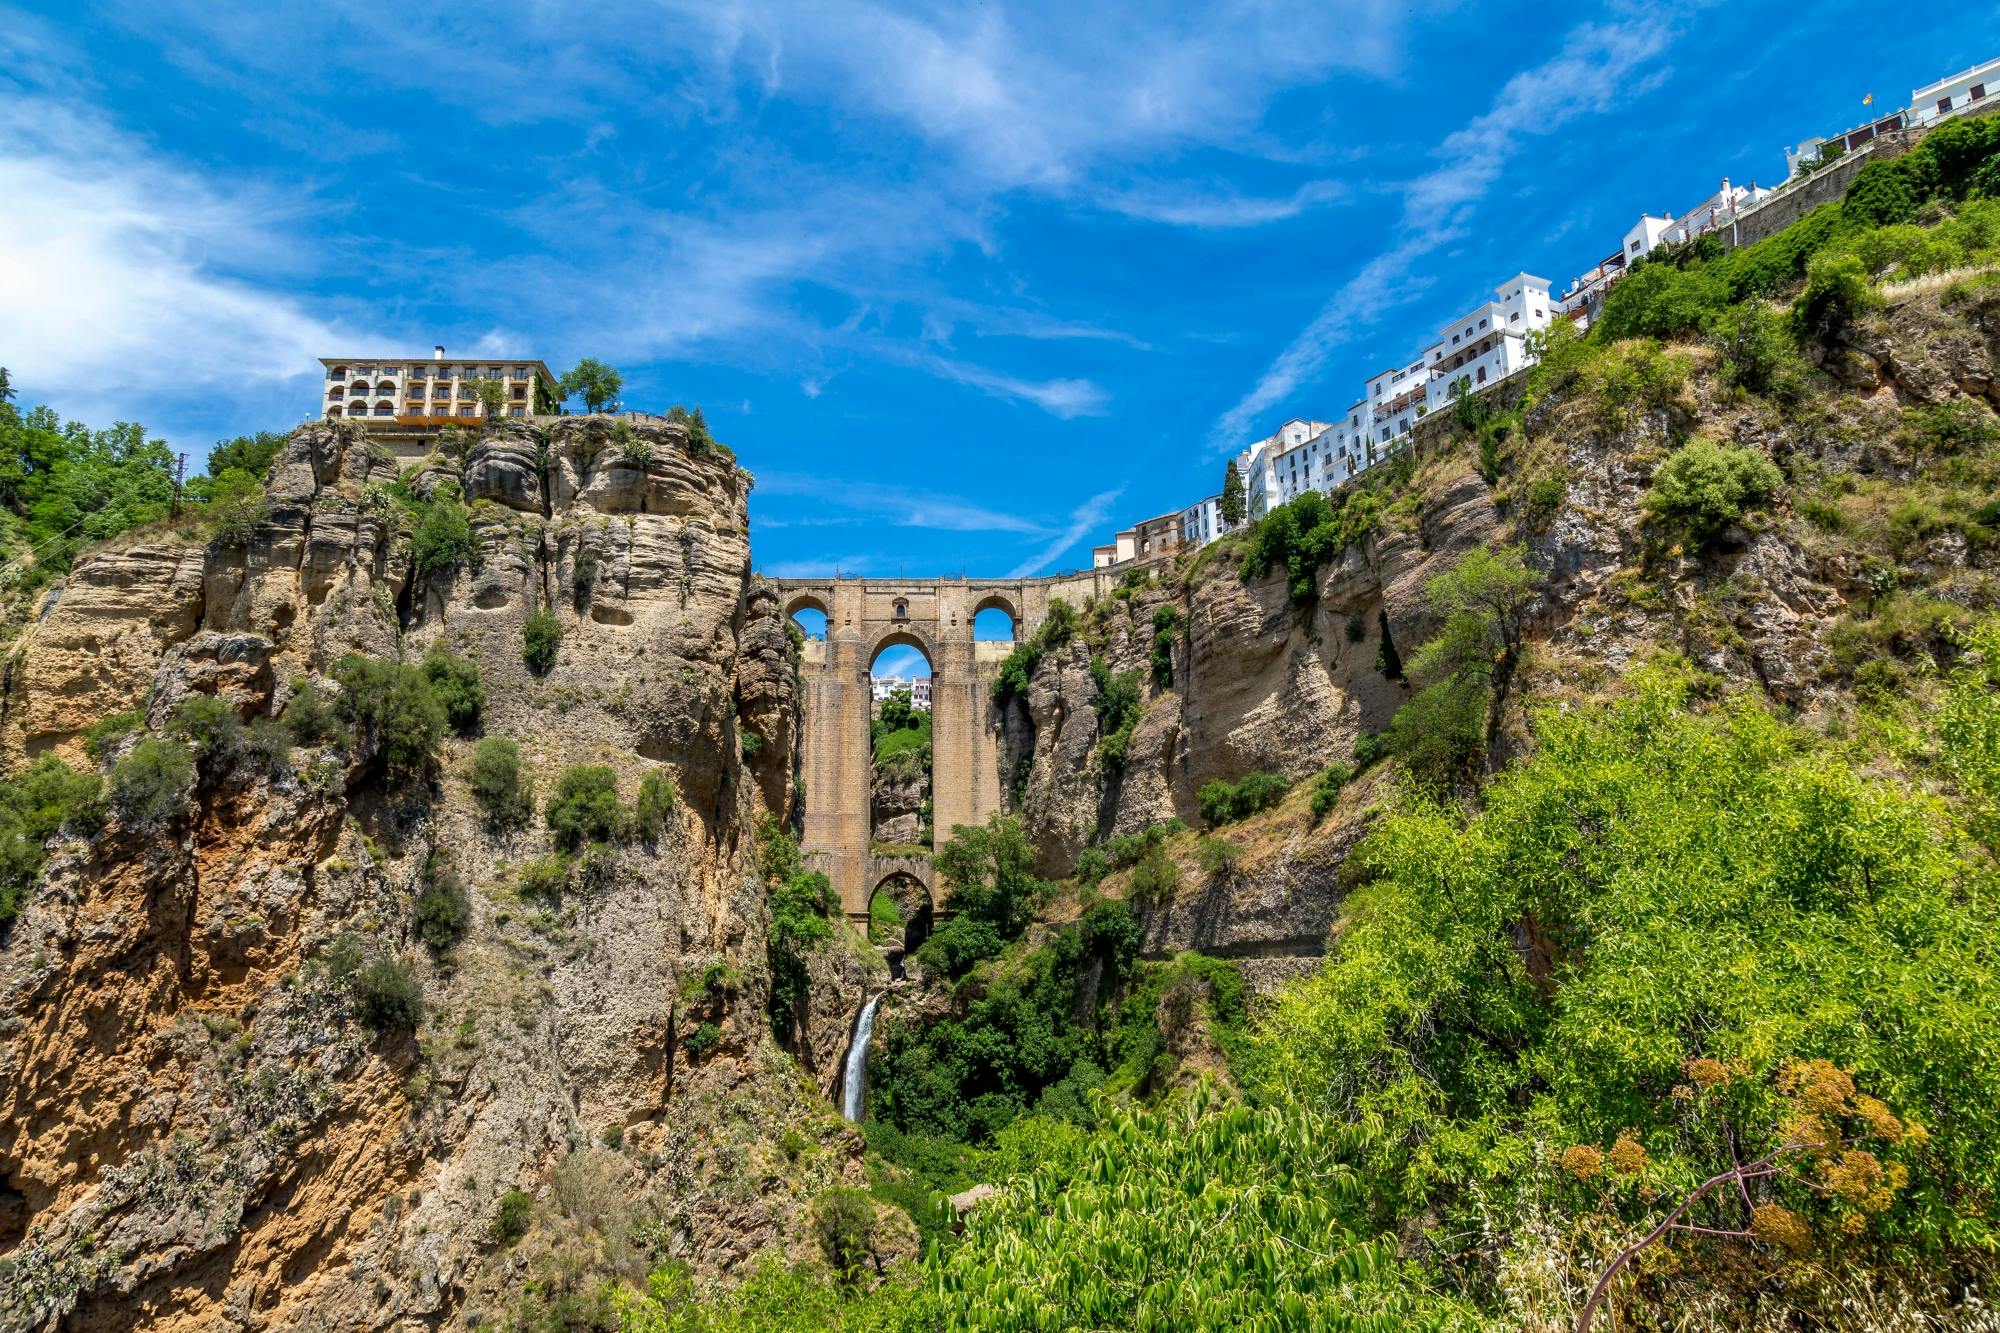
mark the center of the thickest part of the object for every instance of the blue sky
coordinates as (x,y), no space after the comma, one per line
(965,287)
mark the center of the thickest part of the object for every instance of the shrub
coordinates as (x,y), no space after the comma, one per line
(1092,865)
(544,878)
(1117,712)
(1703,487)
(843,1222)
(541,636)
(1155,877)
(310,717)
(106,734)
(1218,856)
(443,911)
(1441,731)
(1307,533)
(1166,629)
(1057,626)
(1658,300)
(386,996)
(503,796)
(455,683)
(443,539)
(799,905)
(211,729)
(33,805)
(585,807)
(1951,428)
(1371,747)
(703,1040)
(266,748)
(149,786)
(1223,802)
(1759,354)
(1326,788)
(655,804)
(511,1217)
(1836,294)
(391,710)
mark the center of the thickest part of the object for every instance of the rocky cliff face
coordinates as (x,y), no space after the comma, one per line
(198,1131)
(1868,553)
(900,793)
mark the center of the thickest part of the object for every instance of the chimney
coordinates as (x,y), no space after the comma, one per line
(437,353)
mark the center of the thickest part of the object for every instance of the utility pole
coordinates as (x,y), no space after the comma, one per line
(180,472)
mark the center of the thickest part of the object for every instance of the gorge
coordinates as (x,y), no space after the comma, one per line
(447,889)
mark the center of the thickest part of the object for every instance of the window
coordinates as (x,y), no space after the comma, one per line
(1978,91)
(1944,104)
(1482,323)
(334,410)
(1635,247)
(337,373)
(518,412)
(1514,318)
(1454,340)
(1482,374)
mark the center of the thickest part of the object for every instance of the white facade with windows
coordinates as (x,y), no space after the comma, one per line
(881,687)
(1954,93)
(1489,343)
(392,392)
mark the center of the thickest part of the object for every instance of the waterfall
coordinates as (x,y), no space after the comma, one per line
(854,1081)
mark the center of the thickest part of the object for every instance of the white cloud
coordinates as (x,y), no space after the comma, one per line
(898,506)
(1083,520)
(1597,64)
(111,270)
(1185,206)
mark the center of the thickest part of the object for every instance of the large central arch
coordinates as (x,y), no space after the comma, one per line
(934,615)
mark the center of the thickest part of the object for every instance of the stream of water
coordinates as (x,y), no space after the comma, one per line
(854,1081)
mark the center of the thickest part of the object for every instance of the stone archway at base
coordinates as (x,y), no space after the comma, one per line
(936,615)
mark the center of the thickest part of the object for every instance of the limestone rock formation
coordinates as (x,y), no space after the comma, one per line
(199,1131)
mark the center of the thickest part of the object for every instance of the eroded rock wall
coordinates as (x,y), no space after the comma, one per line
(198,1131)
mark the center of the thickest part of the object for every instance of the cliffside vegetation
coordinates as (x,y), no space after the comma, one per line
(1617,939)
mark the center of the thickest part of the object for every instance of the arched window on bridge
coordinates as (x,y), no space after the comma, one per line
(810,620)
(899,739)
(994,624)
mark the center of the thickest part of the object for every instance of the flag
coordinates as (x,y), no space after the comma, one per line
(1868,100)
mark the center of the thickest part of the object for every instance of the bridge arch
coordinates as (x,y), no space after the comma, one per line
(902,637)
(807,601)
(998,601)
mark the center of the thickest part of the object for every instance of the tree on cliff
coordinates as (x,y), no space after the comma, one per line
(593,381)
(1232,496)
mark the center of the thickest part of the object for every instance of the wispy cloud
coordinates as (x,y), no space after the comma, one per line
(1211,207)
(898,506)
(1597,64)
(109,266)
(1086,518)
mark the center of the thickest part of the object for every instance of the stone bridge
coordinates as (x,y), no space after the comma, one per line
(934,616)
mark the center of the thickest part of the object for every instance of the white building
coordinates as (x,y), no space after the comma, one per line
(1201,522)
(1929,104)
(396,392)
(919,687)
(1954,94)
(1489,342)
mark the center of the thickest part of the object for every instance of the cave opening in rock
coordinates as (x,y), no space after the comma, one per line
(899,738)
(899,915)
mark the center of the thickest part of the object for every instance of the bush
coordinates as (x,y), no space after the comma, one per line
(149,786)
(386,996)
(1758,353)
(843,1222)
(33,805)
(1223,802)
(703,1040)
(503,796)
(544,879)
(585,807)
(455,683)
(1370,747)
(1118,710)
(1658,300)
(1441,731)
(211,729)
(1837,293)
(443,539)
(1218,856)
(799,904)
(1156,877)
(310,717)
(1703,487)
(511,1217)
(443,911)
(1018,669)
(1307,533)
(391,710)
(1326,788)
(654,806)
(1166,630)
(541,636)
(107,734)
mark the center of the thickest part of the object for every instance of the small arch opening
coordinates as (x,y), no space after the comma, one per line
(899,742)
(811,621)
(994,624)
(900,916)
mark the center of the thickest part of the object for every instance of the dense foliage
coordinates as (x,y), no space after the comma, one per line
(900,735)
(994,892)
(1702,487)
(390,711)
(33,805)
(800,900)
(1308,532)
(1223,802)
(585,807)
(1058,625)
(541,638)
(506,798)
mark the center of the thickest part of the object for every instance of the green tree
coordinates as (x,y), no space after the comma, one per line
(491,396)
(541,637)
(993,896)
(1484,600)
(34,803)
(249,454)
(456,685)
(594,382)
(1231,507)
